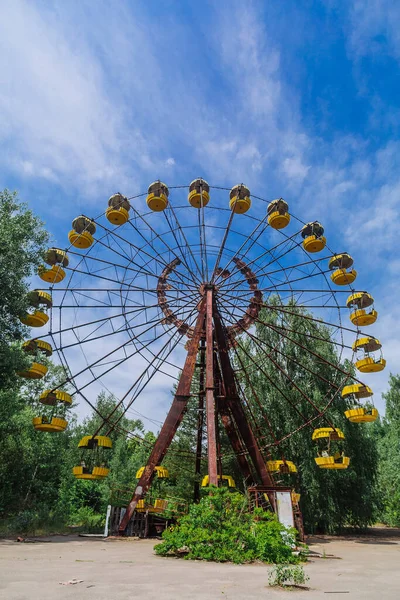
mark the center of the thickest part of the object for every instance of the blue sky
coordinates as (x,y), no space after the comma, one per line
(299,100)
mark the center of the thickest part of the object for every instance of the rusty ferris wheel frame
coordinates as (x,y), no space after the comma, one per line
(213,296)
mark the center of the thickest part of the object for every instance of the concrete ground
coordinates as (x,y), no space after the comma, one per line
(362,567)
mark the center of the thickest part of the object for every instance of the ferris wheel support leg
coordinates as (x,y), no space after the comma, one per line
(228,423)
(172,421)
(210,397)
(234,404)
(200,422)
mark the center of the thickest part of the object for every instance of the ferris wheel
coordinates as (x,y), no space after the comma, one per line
(169,287)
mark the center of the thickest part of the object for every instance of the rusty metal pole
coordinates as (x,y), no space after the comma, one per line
(235,406)
(210,398)
(231,432)
(200,422)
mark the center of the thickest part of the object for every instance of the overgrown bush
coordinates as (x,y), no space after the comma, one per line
(286,575)
(221,528)
(88,519)
(33,522)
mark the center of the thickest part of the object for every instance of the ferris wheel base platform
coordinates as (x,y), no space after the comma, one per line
(145,524)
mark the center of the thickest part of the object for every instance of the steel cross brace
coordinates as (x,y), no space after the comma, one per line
(228,405)
(234,404)
(172,421)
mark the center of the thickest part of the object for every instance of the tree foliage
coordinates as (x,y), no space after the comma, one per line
(36,469)
(329,499)
(388,434)
(221,528)
(22,243)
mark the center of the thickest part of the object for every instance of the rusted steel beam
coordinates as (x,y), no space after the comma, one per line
(200,422)
(210,399)
(217,394)
(230,429)
(172,421)
(235,406)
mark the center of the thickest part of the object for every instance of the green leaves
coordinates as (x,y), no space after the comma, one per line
(22,242)
(302,348)
(388,434)
(285,576)
(220,528)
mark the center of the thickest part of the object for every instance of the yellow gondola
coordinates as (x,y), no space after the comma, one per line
(370,365)
(278,216)
(325,459)
(53,275)
(83,472)
(361,301)
(96,469)
(368,344)
(38,318)
(281,466)
(35,319)
(332,462)
(199,193)
(161,472)
(313,237)
(38,298)
(97,441)
(56,258)
(361,414)
(51,424)
(239,199)
(33,346)
(331,433)
(228,478)
(160,505)
(358,390)
(340,264)
(52,397)
(35,371)
(157,196)
(118,209)
(81,234)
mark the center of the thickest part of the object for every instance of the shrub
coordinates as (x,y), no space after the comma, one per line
(33,522)
(87,518)
(282,575)
(221,528)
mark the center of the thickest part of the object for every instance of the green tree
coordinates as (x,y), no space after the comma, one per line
(126,456)
(388,432)
(307,358)
(30,461)
(22,243)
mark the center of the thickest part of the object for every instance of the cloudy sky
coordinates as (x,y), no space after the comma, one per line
(299,100)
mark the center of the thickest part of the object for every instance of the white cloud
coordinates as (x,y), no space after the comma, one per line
(374,28)
(294,168)
(96,109)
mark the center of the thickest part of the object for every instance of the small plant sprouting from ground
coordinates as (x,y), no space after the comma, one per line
(287,575)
